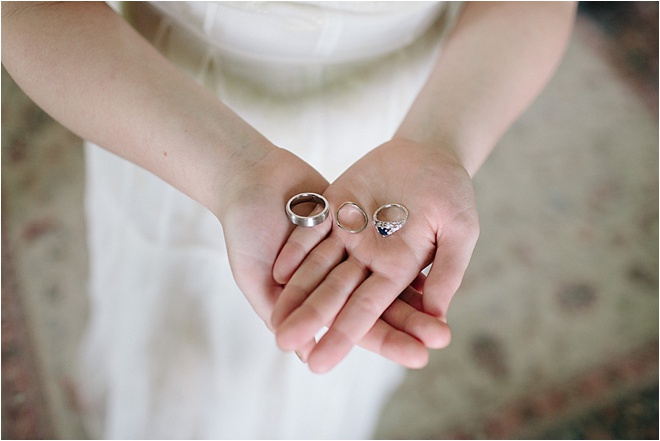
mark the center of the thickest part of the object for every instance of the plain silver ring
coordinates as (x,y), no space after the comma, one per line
(344,227)
(307,221)
(387,228)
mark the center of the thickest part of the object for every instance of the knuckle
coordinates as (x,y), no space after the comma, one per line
(369,306)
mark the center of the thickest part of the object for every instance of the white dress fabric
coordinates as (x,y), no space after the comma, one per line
(173,349)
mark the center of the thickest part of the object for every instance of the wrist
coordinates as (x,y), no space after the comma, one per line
(246,176)
(469,154)
(197,144)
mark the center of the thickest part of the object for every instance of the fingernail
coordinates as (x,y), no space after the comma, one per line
(299,355)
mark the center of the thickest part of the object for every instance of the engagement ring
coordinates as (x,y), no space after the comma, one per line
(395,222)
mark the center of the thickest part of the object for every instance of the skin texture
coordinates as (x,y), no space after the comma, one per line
(92,72)
(86,67)
(498,59)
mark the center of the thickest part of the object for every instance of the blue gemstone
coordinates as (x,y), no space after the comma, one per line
(383,231)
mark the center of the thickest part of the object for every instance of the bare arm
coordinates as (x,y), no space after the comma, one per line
(495,63)
(91,71)
(86,67)
(498,59)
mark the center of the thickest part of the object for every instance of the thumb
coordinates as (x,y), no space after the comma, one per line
(455,244)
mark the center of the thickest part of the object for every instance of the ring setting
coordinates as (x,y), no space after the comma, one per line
(311,220)
(387,228)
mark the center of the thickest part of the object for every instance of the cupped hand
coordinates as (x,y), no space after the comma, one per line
(350,280)
(256,227)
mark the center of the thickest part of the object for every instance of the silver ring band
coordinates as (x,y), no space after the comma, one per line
(387,228)
(307,221)
(344,227)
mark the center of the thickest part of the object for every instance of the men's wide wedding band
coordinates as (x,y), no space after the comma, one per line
(312,220)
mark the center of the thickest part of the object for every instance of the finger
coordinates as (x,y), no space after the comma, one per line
(395,345)
(304,351)
(405,316)
(418,283)
(383,339)
(434,333)
(413,297)
(359,315)
(313,270)
(322,306)
(299,244)
(402,334)
(261,291)
(455,247)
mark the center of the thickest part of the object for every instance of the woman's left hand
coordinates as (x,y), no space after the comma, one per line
(347,281)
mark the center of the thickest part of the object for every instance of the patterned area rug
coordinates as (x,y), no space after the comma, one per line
(555,327)
(556,324)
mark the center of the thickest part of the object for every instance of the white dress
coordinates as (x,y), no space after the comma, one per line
(173,349)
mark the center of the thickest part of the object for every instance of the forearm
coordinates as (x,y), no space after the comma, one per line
(497,60)
(92,72)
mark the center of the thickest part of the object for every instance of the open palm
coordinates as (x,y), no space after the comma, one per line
(256,228)
(350,280)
